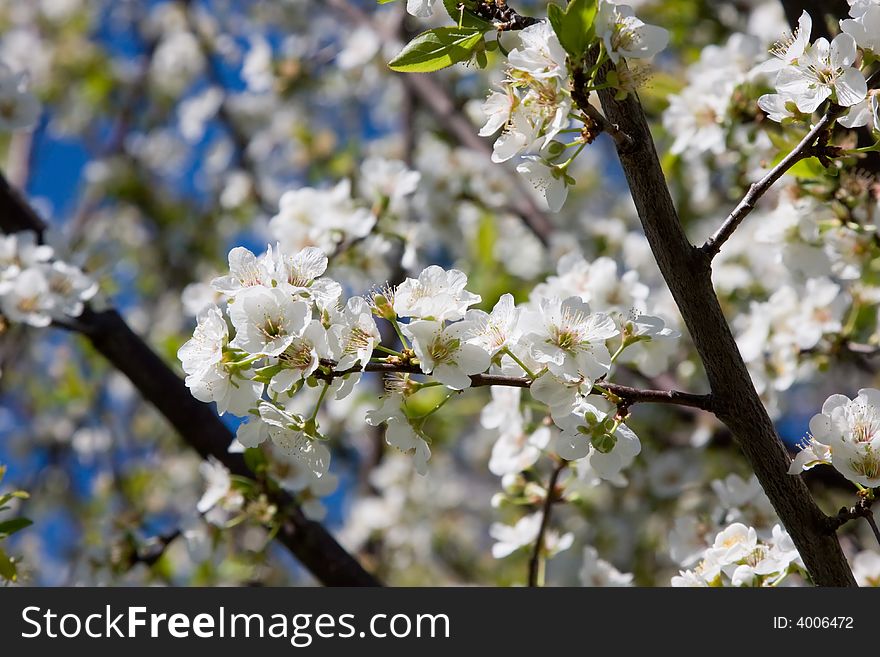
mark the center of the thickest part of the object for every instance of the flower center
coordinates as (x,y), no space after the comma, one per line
(358,339)
(867,466)
(443,351)
(298,355)
(272,328)
(865,423)
(568,334)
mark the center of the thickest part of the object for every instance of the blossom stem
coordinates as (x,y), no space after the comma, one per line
(519,362)
(619,351)
(568,162)
(392,352)
(865,149)
(399,332)
(851,321)
(440,405)
(244,362)
(320,401)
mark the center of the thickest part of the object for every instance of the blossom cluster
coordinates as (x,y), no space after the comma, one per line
(846,435)
(738,558)
(290,328)
(35,286)
(533,108)
(808,74)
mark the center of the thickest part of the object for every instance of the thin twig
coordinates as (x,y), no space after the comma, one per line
(622,140)
(537,558)
(627,395)
(861,509)
(813,144)
(805,149)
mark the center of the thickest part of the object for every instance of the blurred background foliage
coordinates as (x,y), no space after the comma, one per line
(170,131)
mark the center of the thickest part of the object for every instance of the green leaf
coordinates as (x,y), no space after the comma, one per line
(808,168)
(255,459)
(9,527)
(385,2)
(574,25)
(436,49)
(7,568)
(18,494)
(463,16)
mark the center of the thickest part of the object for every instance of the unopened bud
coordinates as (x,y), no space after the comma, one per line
(383,307)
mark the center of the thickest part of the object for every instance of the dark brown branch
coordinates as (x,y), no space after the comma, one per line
(501,15)
(15,213)
(552,497)
(862,509)
(687,271)
(195,421)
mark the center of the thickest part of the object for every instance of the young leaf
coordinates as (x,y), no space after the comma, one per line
(9,527)
(7,568)
(574,25)
(460,13)
(436,49)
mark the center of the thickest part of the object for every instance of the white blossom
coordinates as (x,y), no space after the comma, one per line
(444,353)
(598,572)
(825,69)
(436,294)
(570,340)
(267,320)
(509,539)
(625,35)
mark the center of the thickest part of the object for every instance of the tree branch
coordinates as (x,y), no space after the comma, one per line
(537,558)
(814,144)
(808,147)
(195,421)
(862,509)
(687,272)
(628,396)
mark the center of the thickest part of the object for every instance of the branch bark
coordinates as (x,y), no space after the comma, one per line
(195,421)
(628,395)
(687,272)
